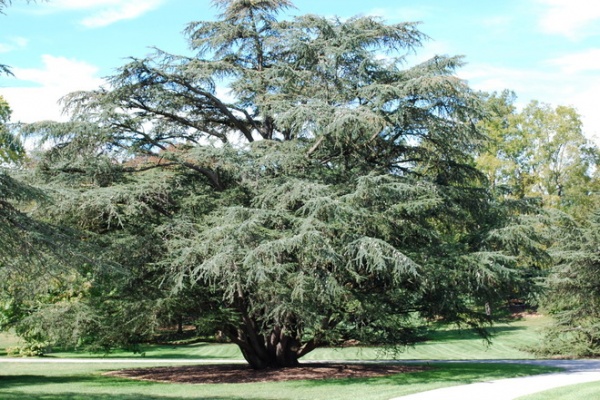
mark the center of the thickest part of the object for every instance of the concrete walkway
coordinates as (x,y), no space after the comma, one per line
(577,371)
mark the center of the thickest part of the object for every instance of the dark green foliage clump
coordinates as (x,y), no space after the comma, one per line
(573,296)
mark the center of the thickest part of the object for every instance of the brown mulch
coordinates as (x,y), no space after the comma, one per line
(245,374)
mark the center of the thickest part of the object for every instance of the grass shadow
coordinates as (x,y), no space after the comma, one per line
(9,389)
(157,357)
(12,381)
(445,335)
(151,351)
(180,356)
(11,395)
(448,373)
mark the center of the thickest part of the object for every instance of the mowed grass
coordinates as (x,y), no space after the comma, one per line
(53,381)
(448,343)
(85,381)
(195,351)
(590,391)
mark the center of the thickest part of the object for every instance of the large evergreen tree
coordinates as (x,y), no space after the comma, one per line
(329,194)
(36,257)
(573,296)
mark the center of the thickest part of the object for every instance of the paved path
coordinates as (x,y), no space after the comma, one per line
(577,371)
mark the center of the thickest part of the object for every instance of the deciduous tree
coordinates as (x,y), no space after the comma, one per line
(541,152)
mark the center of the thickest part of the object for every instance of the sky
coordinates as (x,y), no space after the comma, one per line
(547,50)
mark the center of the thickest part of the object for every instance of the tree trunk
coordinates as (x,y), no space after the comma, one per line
(276,350)
(180,324)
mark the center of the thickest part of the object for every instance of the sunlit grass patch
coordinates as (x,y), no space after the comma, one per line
(590,390)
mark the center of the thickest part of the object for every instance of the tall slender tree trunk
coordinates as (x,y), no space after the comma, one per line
(180,324)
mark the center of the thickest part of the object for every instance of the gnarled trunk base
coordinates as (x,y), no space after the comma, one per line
(276,350)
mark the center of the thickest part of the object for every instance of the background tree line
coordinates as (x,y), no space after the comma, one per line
(541,152)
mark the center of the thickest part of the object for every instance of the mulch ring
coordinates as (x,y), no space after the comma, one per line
(244,374)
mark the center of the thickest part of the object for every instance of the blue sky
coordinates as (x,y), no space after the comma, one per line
(547,50)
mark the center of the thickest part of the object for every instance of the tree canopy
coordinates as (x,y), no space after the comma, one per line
(292,184)
(573,296)
(36,256)
(11,149)
(541,152)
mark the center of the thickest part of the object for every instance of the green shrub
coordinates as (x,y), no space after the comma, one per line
(34,349)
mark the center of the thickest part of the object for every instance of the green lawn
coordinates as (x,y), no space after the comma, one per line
(590,390)
(204,351)
(85,381)
(446,344)
(454,344)
(45,381)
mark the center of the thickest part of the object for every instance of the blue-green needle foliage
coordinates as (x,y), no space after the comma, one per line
(331,195)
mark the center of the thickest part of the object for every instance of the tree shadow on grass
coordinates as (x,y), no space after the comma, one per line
(152,351)
(448,374)
(180,356)
(14,395)
(157,357)
(443,335)
(15,382)
(9,389)
(12,381)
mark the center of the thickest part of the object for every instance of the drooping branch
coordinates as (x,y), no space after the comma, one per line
(212,99)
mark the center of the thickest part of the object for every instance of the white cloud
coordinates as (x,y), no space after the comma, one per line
(104,12)
(492,78)
(581,72)
(13,44)
(20,41)
(58,77)
(550,86)
(586,102)
(126,10)
(585,61)
(571,18)
(83,4)
(60,72)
